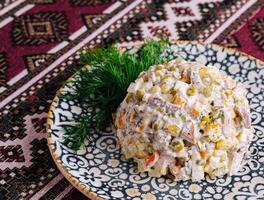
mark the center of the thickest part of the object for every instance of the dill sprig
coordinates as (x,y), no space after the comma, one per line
(103,85)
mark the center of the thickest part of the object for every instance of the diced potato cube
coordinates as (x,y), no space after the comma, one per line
(155,89)
(141,154)
(203,72)
(165,88)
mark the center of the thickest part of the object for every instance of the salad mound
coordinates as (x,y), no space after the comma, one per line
(185,120)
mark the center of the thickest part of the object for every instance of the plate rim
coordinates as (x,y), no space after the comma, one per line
(73,180)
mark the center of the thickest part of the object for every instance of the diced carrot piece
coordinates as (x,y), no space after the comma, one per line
(132,117)
(121,121)
(203,154)
(185,79)
(214,125)
(130,141)
(179,101)
(195,112)
(121,141)
(149,159)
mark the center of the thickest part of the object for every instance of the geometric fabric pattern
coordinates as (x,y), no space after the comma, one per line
(40,28)
(39,40)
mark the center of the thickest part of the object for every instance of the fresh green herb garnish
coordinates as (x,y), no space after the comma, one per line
(104,85)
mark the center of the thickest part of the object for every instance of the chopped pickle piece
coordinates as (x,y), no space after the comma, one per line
(129,96)
(173,68)
(139,95)
(177,145)
(156,126)
(173,91)
(160,109)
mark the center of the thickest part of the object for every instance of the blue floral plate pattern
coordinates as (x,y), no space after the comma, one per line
(100,172)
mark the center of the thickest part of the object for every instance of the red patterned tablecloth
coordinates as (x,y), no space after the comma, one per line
(37,40)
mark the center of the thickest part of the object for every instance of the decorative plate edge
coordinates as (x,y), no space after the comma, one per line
(74,181)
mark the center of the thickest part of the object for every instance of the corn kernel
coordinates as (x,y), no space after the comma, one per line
(165,88)
(224,145)
(166,76)
(159,67)
(214,126)
(158,74)
(229,93)
(191,90)
(207,91)
(205,120)
(207,168)
(173,129)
